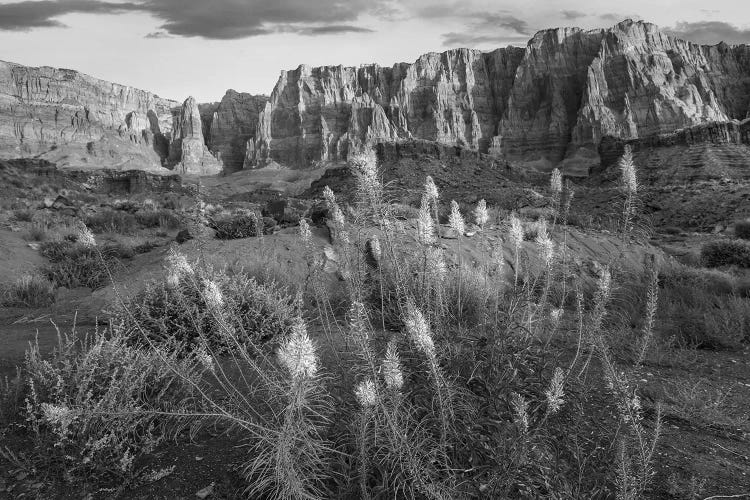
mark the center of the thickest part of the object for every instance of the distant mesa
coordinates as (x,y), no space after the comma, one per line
(548,104)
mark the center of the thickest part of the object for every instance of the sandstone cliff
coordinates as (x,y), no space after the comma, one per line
(78,121)
(229,128)
(548,104)
(188,153)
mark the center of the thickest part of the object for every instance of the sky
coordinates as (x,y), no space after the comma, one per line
(178,48)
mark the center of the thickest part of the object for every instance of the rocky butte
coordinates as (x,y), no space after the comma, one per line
(551,103)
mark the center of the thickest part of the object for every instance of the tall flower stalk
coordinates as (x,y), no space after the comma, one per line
(629,187)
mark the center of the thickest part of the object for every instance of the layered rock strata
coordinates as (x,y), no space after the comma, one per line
(230,128)
(188,153)
(78,121)
(548,104)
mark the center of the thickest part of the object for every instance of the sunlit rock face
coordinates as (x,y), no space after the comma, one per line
(544,105)
(319,113)
(188,152)
(547,104)
(80,121)
(229,129)
(77,121)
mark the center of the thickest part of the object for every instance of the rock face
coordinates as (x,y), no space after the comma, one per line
(188,152)
(230,128)
(732,133)
(546,105)
(77,121)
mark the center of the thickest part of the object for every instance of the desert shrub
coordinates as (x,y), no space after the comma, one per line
(190,305)
(236,227)
(28,291)
(23,215)
(403,211)
(672,230)
(701,308)
(98,404)
(74,264)
(11,399)
(112,221)
(37,232)
(742,229)
(726,253)
(165,219)
(145,247)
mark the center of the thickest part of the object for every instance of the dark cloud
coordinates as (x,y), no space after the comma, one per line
(454,39)
(334,30)
(23,16)
(216,19)
(571,15)
(496,29)
(158,34)
(710,32)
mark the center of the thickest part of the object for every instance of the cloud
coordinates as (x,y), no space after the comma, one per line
(335,29)
(157,35)
(454,39)
(710,32)
(215,19)
(487,27)
(24,16)
(571,15)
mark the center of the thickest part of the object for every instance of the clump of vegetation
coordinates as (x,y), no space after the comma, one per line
(701,309)
(726,253)
(28,291)
(23,215)
(37,232)
(98,404)
(112,221)
(197,304)
(164,219)
(742,229)
(237,227)
(77,263)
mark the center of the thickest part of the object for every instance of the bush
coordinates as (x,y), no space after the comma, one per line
(237,227)
(112,221)
(28,291)
(11,398)
(742,229)
(37,232)
(165,219)
(74,265)
(98,404)
(24,215)
(182,310)
(726,253)
(702,308)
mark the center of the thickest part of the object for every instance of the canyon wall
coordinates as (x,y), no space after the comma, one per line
(229,128)
(548,104)
(78,121)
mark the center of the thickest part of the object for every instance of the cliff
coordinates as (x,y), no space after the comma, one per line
(551,103)
(78,121)
(545,105)
(188,153)
(229,128)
